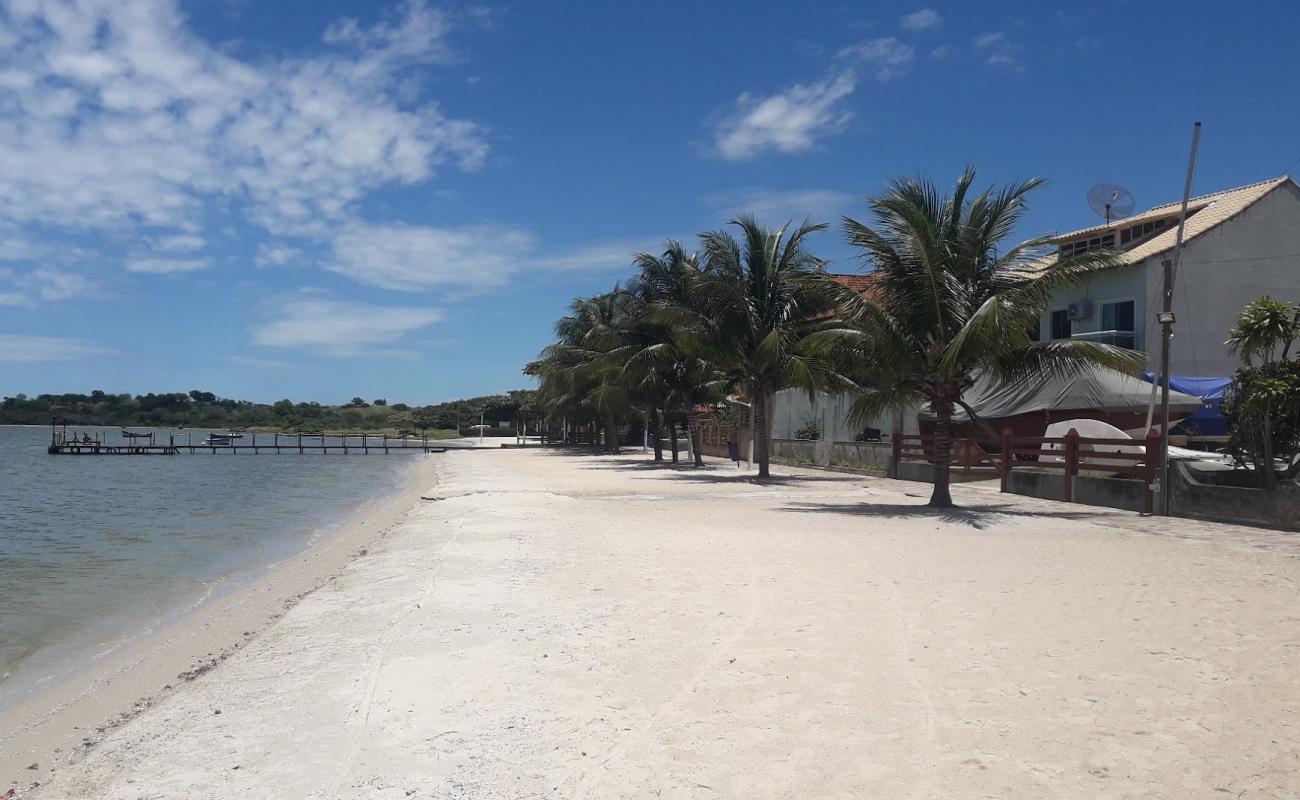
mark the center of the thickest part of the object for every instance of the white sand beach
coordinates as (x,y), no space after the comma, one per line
(552,624)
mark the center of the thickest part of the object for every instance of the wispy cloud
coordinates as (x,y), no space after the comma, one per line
(179,243)
(775,207)
(341,329)
(167,266)
(263,363)
(610,255)
(886,57)
(420,257)
(997,50)
(943,52)
(921,19)
(21,349)
(790,121)
(52,284)
(275,255)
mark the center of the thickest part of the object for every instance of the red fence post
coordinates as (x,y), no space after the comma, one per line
(895,454)
(1071,463)
(1152,459)
(1006,459)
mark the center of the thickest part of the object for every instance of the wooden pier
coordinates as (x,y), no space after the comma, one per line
(301,443)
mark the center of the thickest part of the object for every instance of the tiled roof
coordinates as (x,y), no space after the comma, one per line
(862,284)
(1203,213)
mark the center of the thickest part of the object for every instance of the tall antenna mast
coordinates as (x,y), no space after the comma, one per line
(1166,319)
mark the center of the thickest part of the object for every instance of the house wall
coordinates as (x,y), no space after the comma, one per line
(1252,254)
(791,410)
(1123,283)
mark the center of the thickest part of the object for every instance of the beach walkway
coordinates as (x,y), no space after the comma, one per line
(557,625)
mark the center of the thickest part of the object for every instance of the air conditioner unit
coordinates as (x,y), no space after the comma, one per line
(1081,310)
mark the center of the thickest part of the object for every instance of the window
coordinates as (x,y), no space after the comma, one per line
(1143,230)
(1061,327)
(1117,323)
(1074,248)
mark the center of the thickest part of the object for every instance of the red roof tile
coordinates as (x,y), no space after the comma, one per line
(862,284)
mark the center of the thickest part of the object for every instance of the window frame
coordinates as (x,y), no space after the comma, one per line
(1101,310)
(1051,326)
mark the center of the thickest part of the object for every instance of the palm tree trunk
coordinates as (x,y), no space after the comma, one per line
(672,426)
(658,432)
(941,497)
(696,440)
(761,430)
(611,434)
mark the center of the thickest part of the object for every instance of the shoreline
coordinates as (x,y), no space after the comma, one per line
(50,727)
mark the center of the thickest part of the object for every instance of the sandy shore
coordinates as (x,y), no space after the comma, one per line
(555,625)
(56,725)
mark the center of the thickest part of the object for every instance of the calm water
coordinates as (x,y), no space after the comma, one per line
(96,549)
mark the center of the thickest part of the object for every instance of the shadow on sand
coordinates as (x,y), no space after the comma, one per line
(686,470)
(978,517)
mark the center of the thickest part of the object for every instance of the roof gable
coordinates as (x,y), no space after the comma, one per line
(1203,214)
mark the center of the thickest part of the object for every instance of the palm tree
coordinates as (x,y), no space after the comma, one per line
(949,305)
(660,362)
(747,310)
(577,375)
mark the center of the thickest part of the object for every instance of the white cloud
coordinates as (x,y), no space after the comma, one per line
(42,283)
(943,52)
(167,266)
(921,19)
(55,284)
(20,349)
(775,207)
(608,255)
(997,49)
(886,56)
(415,258)
(115,117)
(276,255)
(253,361)
(179,243)
(790,121)
(341,329)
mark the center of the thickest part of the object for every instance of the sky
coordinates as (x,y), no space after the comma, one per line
(317,199)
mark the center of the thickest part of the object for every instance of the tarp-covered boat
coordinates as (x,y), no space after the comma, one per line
(1028,408)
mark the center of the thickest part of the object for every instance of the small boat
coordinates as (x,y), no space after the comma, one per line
(216,439)
(134,435)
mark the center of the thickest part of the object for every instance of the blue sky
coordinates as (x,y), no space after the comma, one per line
(321,199)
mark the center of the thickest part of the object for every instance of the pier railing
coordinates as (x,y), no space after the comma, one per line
(97,443)
(1139,458)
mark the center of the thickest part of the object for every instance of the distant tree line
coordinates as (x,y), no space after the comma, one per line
(200,409)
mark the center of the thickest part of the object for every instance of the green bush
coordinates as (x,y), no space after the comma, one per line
(1262,408)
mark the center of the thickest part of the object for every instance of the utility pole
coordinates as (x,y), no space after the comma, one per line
(1166,319)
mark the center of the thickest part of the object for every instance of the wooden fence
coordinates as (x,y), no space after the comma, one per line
(1140,458)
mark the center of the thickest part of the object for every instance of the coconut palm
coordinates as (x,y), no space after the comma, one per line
(952,303)
(577,375)
(747,311)
(660,361)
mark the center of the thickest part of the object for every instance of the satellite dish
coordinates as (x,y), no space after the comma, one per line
(1110,201)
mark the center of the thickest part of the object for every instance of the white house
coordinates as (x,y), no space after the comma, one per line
(1238,244)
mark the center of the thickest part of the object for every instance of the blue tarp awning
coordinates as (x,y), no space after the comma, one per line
(1209,420)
